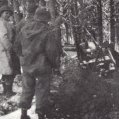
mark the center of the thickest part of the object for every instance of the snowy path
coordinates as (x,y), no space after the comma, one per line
(16,114)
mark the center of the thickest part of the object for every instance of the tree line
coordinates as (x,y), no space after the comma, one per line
(86,20)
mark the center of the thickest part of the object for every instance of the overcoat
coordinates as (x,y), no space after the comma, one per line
(6,36)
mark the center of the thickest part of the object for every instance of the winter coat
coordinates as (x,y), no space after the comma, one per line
(6,39)
(32,43)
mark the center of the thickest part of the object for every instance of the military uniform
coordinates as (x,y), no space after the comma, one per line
(6,49)
(37,70)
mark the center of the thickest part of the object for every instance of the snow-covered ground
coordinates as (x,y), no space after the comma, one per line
(16,114)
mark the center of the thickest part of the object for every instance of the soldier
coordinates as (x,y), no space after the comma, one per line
(6,43)
(37,61)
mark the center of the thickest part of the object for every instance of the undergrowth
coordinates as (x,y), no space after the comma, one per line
(85,95)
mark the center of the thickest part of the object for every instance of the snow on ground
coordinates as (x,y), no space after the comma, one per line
(16,114)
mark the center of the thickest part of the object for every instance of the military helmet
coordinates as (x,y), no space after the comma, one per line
(5,8)
(42,14)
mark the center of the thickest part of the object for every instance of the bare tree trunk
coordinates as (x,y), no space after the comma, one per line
(112,21)
(100,24)
(76,28)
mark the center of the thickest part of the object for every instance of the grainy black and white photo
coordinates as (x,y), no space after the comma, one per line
(59,59)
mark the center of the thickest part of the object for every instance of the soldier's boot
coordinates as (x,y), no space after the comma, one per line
(24,114)
(25,117)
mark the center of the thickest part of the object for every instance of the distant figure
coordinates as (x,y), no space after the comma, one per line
(6,48)
(30,10)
